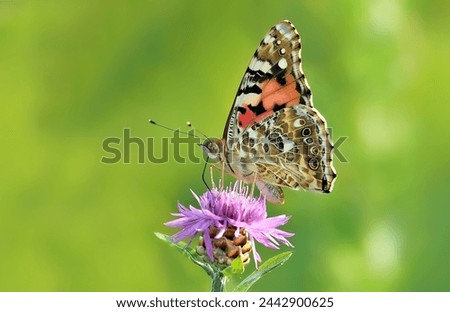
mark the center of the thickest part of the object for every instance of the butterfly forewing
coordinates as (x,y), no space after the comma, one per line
(273,80)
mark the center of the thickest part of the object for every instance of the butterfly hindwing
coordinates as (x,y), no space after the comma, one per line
(294,149)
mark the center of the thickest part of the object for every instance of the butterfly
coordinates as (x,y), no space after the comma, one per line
(274,136)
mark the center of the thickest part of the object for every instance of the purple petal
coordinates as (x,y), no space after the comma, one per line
(232,206)
(208,244)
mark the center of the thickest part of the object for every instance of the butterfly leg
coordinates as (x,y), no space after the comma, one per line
(241,185)
(253,185)
(223,176)
(211,175)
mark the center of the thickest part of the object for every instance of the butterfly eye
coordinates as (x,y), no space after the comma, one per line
(211,148)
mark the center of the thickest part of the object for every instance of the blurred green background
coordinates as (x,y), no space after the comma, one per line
(73,74)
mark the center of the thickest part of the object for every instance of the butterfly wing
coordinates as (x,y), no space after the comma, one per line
(274,135)
(294,148)
(274,79)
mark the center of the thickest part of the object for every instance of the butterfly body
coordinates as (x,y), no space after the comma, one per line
(274,136)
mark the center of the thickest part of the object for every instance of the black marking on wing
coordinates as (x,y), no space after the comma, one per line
(298,86)
(277,107)
(253,89)
(258,109)
(281,79)
(325,188)
(241,109)
(253,77)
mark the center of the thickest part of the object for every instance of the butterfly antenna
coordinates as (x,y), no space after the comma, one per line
(189,124)
(151,121)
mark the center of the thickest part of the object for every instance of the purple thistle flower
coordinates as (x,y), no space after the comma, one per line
(232,207)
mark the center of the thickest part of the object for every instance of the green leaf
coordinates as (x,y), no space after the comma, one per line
(265,268)
(189,253)
(236,267)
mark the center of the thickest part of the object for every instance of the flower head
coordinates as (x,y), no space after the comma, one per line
(232,208)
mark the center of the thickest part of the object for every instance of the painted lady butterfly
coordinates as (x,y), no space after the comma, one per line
(274,136)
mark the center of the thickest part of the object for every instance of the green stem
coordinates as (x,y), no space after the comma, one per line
(218,282)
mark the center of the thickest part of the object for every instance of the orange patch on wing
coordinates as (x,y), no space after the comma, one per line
(273,94)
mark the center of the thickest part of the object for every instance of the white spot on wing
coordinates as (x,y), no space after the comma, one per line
(283,28)
(298,123)
(288,145)
(256,65)
(252,134)
(282,63)
(265,67)
(268,38)
(290,35)
(286,30)
(252,63)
